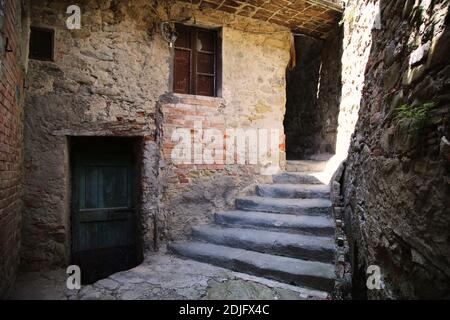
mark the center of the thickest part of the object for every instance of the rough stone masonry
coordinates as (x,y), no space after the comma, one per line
(108,81)
(396,185)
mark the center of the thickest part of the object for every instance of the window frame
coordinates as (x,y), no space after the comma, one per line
(193,61)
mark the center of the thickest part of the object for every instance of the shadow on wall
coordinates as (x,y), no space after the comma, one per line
(313,96)
(396,191)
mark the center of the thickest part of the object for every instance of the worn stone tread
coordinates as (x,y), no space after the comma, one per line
(296,178)
(312,274)
(315,225)
(288,206)
(305,165)
(306,191)
(266,241)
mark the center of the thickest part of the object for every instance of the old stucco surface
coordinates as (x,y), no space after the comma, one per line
(106,80)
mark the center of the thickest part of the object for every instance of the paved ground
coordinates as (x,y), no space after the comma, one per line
(161,276)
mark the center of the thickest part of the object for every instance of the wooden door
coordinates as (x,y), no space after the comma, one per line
(104,224)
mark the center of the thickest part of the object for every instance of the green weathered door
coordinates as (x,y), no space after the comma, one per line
(104,233)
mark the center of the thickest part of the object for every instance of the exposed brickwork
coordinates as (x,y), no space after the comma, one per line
(185,113)
(192,191)
(11,91)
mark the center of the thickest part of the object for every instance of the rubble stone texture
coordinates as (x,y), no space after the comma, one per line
(13,24)
(396,182)
(105,80)
(112,77)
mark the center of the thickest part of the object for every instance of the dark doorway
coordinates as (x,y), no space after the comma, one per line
(313,92)
(301,119)
(104,214)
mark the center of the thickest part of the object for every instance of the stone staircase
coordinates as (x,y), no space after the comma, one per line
(285,232)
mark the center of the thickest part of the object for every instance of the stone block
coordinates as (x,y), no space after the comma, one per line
(419,55)
(391,76)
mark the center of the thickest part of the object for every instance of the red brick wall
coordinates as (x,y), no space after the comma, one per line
(184,114)
(11,91)
(193,192)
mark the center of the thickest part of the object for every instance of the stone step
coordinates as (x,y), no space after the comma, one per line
(314,225)
(319,157)
(307,191)
(305,165)
(305,247)
(312,274)
(288,206)
(295,178)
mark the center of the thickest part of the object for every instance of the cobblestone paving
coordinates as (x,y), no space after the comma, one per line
(161,277)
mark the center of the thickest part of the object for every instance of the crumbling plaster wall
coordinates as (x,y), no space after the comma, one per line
(396,180)
(107,79)
(13,53)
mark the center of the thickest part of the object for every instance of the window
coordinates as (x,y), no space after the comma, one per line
(196,66)
(41,44)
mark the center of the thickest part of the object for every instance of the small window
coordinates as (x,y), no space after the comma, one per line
(196,65)
(41,44)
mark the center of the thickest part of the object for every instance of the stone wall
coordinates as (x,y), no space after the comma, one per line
(13,24)
(110,78)
(104,81)
(329,92)
(396,181)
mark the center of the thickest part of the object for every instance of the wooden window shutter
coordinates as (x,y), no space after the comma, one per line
(182,63)
(195,65)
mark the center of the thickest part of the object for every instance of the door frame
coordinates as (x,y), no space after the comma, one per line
(135,145)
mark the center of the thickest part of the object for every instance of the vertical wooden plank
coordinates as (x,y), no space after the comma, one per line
(80,177)
(182,69)
(218,58)
(194,61)
(90,179)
